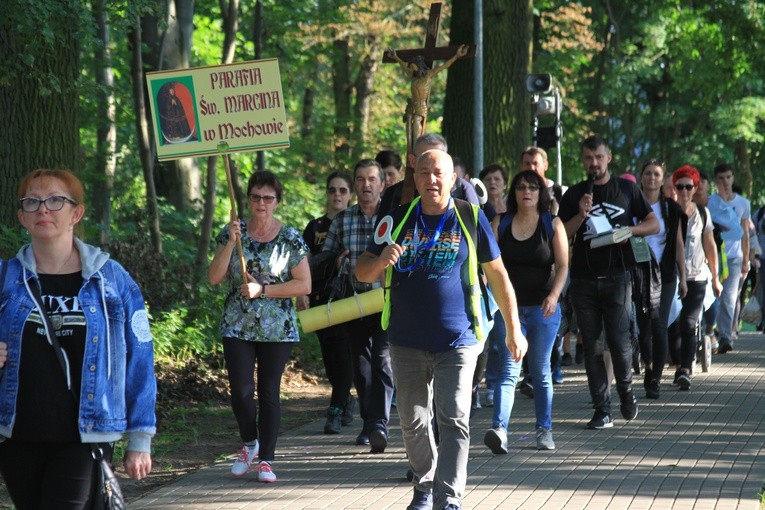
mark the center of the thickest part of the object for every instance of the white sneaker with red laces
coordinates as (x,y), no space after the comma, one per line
(265,473)
(244,459)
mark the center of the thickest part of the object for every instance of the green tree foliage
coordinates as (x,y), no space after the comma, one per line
(676,79)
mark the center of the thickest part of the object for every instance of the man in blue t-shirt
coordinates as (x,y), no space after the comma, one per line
(601,284)
(431,326)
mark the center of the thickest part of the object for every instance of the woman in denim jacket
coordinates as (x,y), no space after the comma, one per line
(99,318)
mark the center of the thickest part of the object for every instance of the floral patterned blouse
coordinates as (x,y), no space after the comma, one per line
(269,319)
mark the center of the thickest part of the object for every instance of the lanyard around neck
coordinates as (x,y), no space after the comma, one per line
(418,249)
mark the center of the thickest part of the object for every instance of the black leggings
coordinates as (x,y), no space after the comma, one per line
(654,340)
(684,346)
(49,475)
(241,358)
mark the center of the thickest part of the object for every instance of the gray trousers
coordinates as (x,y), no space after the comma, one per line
(440,383)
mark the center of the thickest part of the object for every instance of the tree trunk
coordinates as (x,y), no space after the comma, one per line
(600,122)
(39,108)
(230,15)
(507,112)
(508,31)
(203,246)
(179,180)
(341,88)
(364,85)
(458,102)
(145,148)
(743,165)
(306,120)
(257,38)
(106,134)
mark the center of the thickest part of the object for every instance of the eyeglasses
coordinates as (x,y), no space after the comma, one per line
(525,187)
(266,199)
(54,203)
(332,190)
(681,187)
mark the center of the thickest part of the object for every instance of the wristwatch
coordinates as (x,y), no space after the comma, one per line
(263,291)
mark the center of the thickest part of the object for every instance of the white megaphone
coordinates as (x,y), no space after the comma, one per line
(480,190)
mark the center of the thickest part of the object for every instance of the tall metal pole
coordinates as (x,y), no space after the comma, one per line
(478,89)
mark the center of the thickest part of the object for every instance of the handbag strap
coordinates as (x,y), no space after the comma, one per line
(95,449)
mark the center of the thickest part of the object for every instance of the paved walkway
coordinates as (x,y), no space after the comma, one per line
(701,450)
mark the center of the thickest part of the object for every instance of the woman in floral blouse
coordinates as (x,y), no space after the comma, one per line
(259,324)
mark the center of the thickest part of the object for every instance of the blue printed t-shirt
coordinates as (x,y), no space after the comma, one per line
(262,320)
(430,306)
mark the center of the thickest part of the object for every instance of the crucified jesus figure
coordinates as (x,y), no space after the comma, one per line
(421,76)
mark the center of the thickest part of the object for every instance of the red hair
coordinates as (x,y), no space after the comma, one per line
(689,172)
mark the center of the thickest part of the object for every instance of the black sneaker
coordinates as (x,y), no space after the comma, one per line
(600,421)
(652,389)
(350,408)
(724,347)
(526,388)
(684,382)
(566,360)
(677,375)
(333,425)
(629,406)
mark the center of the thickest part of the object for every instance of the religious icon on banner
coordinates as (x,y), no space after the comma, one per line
(175,103)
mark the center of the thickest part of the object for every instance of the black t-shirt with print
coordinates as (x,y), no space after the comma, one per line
(45,410)
(618,200)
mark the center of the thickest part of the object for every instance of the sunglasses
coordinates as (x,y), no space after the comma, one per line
(332,190)
(681,187)
(54,203)
(524,187)
(266,199)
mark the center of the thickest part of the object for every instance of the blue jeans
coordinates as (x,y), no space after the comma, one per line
(540,332)
(603,305)
(728,300)
(439,383)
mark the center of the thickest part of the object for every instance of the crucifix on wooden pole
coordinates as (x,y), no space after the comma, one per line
(418,66)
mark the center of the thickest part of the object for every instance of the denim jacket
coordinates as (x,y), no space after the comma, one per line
(118,390)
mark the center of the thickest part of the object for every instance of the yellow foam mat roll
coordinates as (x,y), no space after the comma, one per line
(342,310)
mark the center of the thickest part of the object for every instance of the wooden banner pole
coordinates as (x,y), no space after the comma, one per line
(235,217)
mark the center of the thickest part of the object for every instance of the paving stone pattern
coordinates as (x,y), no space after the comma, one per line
(701,450)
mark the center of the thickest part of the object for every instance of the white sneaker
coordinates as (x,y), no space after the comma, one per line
(244,459)
(265,473)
